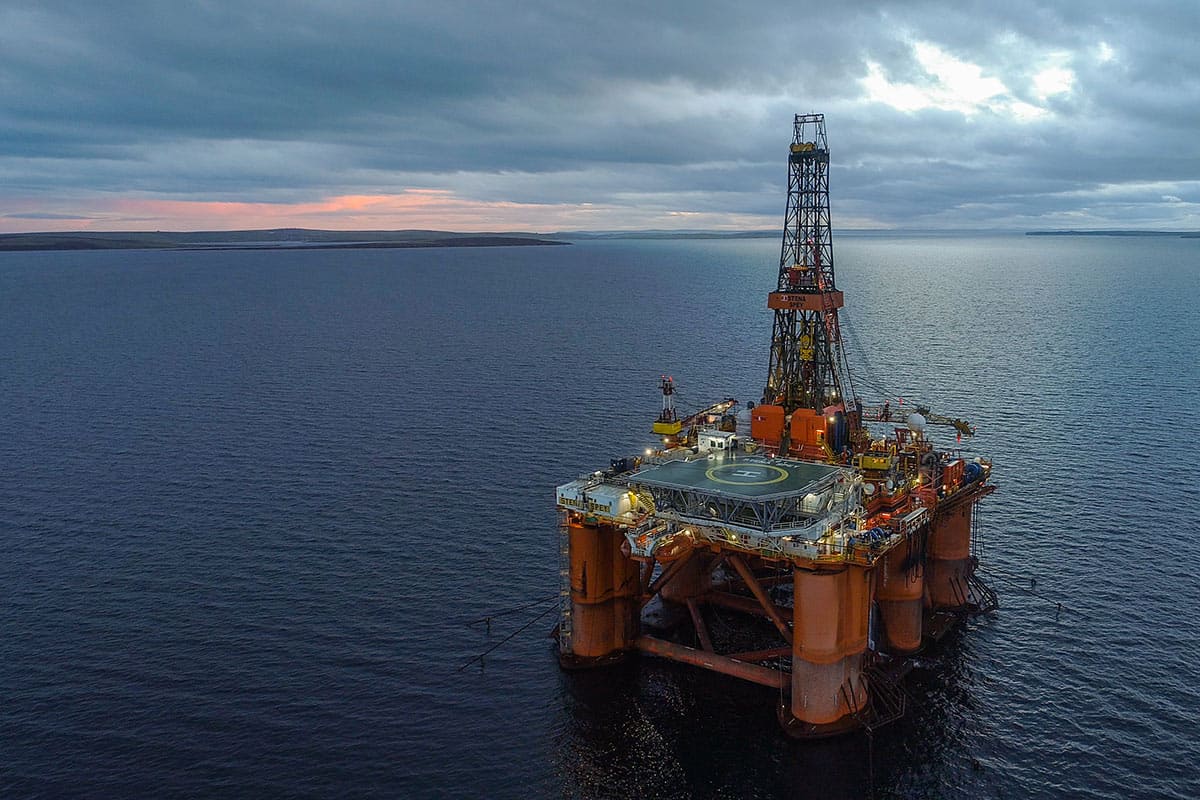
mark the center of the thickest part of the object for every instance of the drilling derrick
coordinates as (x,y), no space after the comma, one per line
(809,407)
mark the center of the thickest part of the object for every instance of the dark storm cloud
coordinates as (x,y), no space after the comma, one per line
(670,105)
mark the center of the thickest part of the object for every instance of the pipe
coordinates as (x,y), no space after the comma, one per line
(754,673)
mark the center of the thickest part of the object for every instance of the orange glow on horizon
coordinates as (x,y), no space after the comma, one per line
(429,209)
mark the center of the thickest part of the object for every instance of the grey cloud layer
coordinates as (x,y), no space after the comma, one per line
(675,105)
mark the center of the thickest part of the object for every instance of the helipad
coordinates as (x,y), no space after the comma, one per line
(749,477)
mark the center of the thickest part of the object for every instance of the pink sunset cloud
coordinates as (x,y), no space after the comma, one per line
(435,209)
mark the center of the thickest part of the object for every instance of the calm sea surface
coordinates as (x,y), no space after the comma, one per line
(251,501)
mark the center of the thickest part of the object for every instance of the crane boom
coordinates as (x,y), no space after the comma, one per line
(885,413)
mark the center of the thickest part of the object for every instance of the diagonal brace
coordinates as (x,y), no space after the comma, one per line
(760,594)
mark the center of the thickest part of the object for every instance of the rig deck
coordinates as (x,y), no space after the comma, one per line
(745,477)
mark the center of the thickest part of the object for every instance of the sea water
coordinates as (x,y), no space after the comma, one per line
(253,504)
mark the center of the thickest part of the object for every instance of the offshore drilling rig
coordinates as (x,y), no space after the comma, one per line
(837,533)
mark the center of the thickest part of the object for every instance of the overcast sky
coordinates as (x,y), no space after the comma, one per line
(566,115)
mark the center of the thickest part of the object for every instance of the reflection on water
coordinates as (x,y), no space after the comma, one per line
(652,728)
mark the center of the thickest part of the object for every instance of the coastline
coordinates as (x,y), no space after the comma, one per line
(289,239)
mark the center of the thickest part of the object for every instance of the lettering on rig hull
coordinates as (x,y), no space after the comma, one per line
(805,301)
(590,505)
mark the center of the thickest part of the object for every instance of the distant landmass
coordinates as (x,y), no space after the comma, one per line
(772,234)
(304,238)
(285,238)
(1179,234)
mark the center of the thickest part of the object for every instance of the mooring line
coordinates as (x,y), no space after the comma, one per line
(488,619)
(1031,589)
(480,657)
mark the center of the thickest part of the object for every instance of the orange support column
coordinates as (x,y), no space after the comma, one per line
(604,595)
(829,638)
(900,590)
(949,564)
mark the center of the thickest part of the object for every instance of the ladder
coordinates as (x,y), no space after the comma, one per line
(564,584)
(887,698)
(985,598)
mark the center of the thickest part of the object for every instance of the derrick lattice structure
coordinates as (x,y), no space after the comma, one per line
(808,361)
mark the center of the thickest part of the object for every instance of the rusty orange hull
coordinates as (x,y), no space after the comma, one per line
(949,564)
(605,587)
(830,621)
(900,591)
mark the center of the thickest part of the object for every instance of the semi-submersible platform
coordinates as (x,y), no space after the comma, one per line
(838,535)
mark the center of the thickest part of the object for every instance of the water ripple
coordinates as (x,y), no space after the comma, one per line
(251,499)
